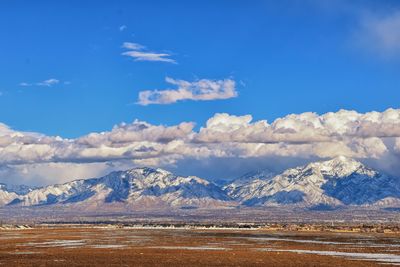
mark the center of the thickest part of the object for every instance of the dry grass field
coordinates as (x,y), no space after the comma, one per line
(111,246)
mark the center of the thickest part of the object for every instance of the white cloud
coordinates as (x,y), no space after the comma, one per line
(380,33)
(140,53)
(299,137)
(133,46)
(198,90)
(149,56)
(46,173)
(25,84)
(47,83)
(302,128)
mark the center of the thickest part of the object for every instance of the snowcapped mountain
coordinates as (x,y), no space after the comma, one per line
(136,188)
(5,195)
(239,189)
(10,192)
(337,182)
(340,181)
(18,189)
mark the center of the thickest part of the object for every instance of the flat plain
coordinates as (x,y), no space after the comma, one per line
(126,246)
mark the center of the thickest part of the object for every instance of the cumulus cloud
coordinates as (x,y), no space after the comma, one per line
(203,89)
(299,137)
(140,53)
(138,131)
(307,127)
(380,33)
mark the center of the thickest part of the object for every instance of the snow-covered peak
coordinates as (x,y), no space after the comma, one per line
(338,181)
(254,175)
(145,177)
(249,177)
(126,187)
(146,171)
(339,167)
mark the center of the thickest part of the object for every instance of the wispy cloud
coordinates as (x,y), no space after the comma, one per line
(25,84)
(48,83)
(122,28)
(380,33)
(140,53)
(133,46)
(198,90)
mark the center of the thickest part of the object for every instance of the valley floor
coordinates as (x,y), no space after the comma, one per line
(114,246)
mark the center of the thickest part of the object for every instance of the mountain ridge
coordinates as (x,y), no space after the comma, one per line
(336,182)
(126,187)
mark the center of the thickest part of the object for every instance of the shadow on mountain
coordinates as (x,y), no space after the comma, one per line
(359,189)
(283,197)
(190,190)
(80,197)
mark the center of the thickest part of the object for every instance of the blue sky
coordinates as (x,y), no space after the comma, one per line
(286,57)
(76,68)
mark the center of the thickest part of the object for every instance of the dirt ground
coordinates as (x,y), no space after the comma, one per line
(69,246)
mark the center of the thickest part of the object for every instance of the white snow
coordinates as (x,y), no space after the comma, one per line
(108,246)
(331,183)
(379,257)
(57,243)
(190,248)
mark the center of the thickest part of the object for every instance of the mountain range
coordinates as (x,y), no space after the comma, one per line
(339,182)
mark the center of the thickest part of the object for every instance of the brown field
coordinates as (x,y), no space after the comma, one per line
(112,246)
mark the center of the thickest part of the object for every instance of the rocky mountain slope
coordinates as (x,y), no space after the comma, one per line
(337,182)
(139,188)
(340,181)
(10,192)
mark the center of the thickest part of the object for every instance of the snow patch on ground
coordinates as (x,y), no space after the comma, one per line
(108,246)
(385,258)
(57,243)
(190,248)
